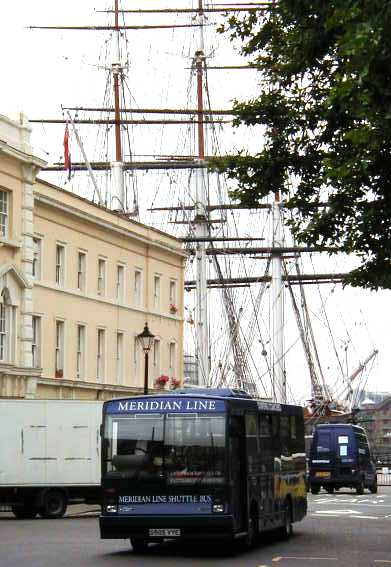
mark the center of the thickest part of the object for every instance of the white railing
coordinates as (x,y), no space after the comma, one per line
(384,477)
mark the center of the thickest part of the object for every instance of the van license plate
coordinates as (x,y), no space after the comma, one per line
(158,532)
(321,474)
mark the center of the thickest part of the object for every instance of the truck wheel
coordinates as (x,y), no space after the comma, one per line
(53,504)
(25,512)
(139,545)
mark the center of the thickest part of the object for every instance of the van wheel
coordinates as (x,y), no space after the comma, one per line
(315,489)
(360,487)
(373,488)
(139,545)
(25,512)
(53,504)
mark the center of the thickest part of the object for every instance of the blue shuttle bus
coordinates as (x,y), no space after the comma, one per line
(200,464)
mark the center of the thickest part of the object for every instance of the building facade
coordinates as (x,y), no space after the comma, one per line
(376,419)
(77,284)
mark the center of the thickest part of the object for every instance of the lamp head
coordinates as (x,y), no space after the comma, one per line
(146,338)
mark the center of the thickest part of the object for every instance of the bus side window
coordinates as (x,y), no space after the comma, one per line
(276,441)
(284,427)
(276,426)
(265,426)
(252,440)
(293,426)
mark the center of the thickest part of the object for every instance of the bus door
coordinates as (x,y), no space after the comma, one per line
(238,472)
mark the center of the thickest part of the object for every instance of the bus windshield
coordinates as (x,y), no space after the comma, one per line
(176,448)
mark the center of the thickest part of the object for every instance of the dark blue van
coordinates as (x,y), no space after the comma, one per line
(340,457)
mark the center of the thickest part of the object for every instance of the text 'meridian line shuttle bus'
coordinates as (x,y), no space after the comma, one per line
(200,464)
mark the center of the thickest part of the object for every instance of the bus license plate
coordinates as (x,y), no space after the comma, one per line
(321,474)
(159,532)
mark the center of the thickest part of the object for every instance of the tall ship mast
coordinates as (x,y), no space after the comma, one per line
(237,328)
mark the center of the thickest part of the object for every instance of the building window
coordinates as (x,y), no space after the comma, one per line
(37,254)
(7,328)
(60,260)
(80,353)
(4,213)
(172,297)
(136,354)
(120,357)
(100,356)
(101,276)
(137,287)
(171,358)
(81,271)
(59,349)
(156,357)
(156,292)
(36,342)
(120,282)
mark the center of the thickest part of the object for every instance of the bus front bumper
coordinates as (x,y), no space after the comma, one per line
(184,527)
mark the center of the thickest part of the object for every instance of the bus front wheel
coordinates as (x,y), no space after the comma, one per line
(139,545)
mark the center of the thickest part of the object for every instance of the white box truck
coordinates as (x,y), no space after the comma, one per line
(49,455)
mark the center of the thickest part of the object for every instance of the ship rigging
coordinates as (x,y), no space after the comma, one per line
(233,346)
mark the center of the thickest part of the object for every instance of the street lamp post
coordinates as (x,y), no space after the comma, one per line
(146,339)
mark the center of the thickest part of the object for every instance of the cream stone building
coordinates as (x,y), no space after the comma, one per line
(77,284)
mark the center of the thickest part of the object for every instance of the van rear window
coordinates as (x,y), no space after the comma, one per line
(323,442)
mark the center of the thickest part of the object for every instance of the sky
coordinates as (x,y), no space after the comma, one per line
(43,70)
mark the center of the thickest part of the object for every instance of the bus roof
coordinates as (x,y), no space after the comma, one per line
(232,396)
(212,392)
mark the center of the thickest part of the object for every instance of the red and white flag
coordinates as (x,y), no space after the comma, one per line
(67,155)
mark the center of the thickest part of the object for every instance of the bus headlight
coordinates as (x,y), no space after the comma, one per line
(111,508)
(218,508)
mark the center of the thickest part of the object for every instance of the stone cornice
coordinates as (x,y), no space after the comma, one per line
(103,223)
(16,370)
(108,301)
(58,382)
(20,155)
